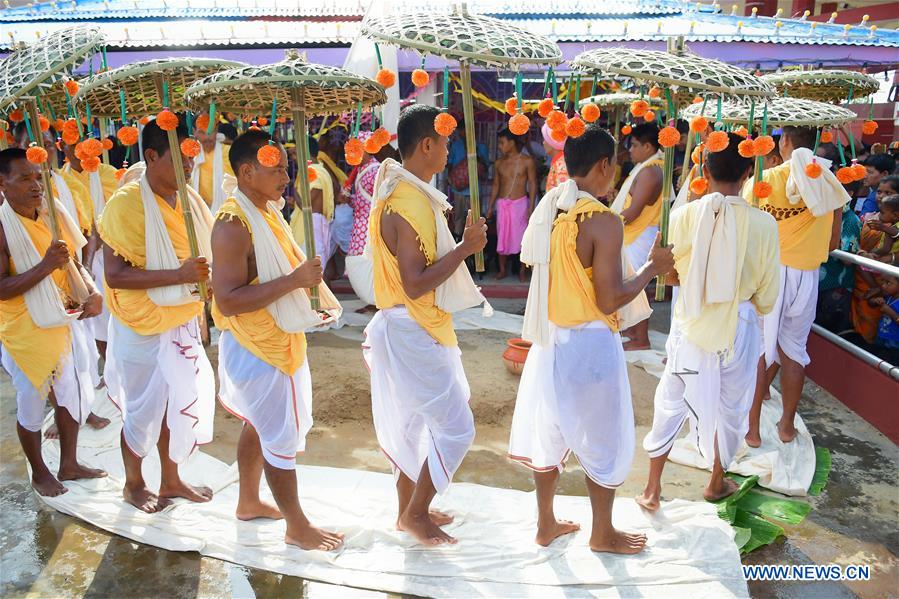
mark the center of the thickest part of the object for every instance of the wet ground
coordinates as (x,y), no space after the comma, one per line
(47,554)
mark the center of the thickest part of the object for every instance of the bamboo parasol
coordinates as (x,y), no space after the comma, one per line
(148,87)
(681,75)
(824,85)
(291,87)
(782,112)
(470,39)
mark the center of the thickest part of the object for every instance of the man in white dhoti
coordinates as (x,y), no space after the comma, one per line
(639,202)
(574,395)
(321,198)
(726,257)
(43,292)
(156,370)
(809,215)
(419,390)
(262,308)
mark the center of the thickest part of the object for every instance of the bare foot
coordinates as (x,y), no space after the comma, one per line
(186,491)
(424,530)
(78,471)
(97,422)
(368,309)
(727,488)
(311,538)
(523,276)
(145,500)
(649,500)
(47,485)
(52,432)
(635,345)
(257,509)
(618,542)
(555,529)
(753,439)
(500,275)
(786,432)
(441,518)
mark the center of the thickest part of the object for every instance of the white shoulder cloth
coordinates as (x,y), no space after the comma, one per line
(822,195)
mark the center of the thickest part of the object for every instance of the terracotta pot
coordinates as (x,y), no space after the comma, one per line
(515,355)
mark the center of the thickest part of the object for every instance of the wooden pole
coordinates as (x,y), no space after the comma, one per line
(472,151)
(298,108)
(685,169)
(104,133)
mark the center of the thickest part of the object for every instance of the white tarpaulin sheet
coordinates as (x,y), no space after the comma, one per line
(690,552)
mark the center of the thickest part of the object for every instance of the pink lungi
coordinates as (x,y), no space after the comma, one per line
(511,221)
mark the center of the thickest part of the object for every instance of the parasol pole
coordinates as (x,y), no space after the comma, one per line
(4,128)
(471,149)
(30,105)
(667,181)
(104,133)
(685,169)
(616,134)
(298,108)
(178,165)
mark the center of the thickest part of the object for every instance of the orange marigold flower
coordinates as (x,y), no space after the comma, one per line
(420,78)
(545,106)
(655,91)
(353,146)
(511,106)
(699,186)
(590,112)
(639,107)
(36,154)
(813,170)
(17,116)
(826,137)
(845,175)
(697,100)
(746,148)
(382,135)
(519,124)
(268,155)
(445,124)
(869,127)
(626,130)
(262,121)
(717,141)
(763,145)
(698,124)
(107,144)
(70,137)
(202,122)
(91,164)
(58,124)
(697,153)
(311,173)
(71,87)
(144,120)
(575,127)
(741,131)
(386,78)
(167,120)
(190,147)
(353,159)
(371,145)
(669,137)
(556,119)
(127,135)
(650,116)
(44,123)
(558,134)
(91,147)
(70,125)
(761,189)
(859,171)
(119,173)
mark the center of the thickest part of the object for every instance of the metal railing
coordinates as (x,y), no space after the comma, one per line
(865,356)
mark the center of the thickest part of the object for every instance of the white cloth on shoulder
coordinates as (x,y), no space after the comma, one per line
(218,173)
(277,405)
(64,195)
(822,195)
(621,199)
(43,300)
(788,325)
(419,397)
(292,312)
(151,377)
(160,251)
(458,292)
(637,251)
(95,187)
(575,397)
(72,385)
(713,389)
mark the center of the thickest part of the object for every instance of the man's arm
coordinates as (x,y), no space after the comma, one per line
(836,229)
(532,184)
(612,290)
(418,278)
(231,246)
(121,275)
(57,256)
(644,192)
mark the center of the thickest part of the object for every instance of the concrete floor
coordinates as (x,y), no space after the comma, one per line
(47,554)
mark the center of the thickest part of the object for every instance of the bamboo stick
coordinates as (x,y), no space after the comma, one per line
(298,108)
(471,150)
(104,133)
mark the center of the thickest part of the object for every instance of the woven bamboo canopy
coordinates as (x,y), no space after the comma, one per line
(461,36)
(141,82)
(823,85)
(686,72)
(618,99)
(252,89)
(38,69)
(797,112)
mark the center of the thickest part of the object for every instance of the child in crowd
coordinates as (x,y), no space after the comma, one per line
(888,328)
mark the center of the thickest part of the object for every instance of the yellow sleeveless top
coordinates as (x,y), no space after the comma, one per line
(804,238)
(415,209)
(36,351)
(572,298)
(121,226)
(649,217)
(256,331)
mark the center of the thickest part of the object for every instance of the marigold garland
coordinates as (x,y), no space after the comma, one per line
(746,148)
(386,78)
(91,164)
(382,135)
(16,116)
(420,78)
(717,141)
(44,123)
(91,147)
(639,107)
(144,120)
(813,170)
(262,121)
(545,107)
(353,159)
(127,135)
(698,124)
(826,137)
(58,124)
(697,153)
(556,119)
(70,125)
(669,137)
(70,137)
(371,145)
(697,100)
(119,173)
(655,92)
(845,175)
(445,124)
(353,146)
(268,155)
(650,116)
(590,112)
(762,189)
(858,170)
(558,135)
(626,130)
(107,144)
(519,124)
(763,145)
(511,106)
(202,123)
(575,127)
(36,154)
(741,131)
(869,127)
(190,147)
(167,120)
(311,173)
(71,87)
(699,186)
